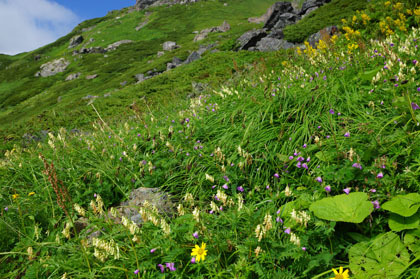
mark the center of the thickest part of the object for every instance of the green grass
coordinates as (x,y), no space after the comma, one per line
(327,15)
(30,105)
(262,157)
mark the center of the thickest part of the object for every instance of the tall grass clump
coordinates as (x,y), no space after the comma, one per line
(307,169)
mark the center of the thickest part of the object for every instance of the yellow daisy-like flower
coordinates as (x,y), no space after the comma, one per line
(15,196)
(31,194)
(199,252)
(340,274)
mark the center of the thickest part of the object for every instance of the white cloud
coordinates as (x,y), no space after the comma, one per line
(29,24)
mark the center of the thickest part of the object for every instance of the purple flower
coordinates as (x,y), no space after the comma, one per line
(415,106)
(299,165)
(240,188)
(225,186)
(226,178)
(357,165)
(308,159)
(300,159)
(152,250)
(380,175)
(327,188)
(318,179)
(288,231)
(278,212)
(396,85)
(193,260)
(347,134)
(144,162)
(328,136)
(319,127)
(347,190)
(291,157)
(232,164)
(267,187)
(276,175)
(339,113)
(305,166)
(304,145)
(6,208)
(324,78)
(171,266)
(372,190)
(332,111)
(136,271)
(195,235)
(376,204)
(414,61)
(418,89)
(304,248)
(94,195)
(162,268)
(214,186)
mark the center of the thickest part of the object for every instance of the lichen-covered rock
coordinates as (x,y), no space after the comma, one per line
(272,44)
(138,197)
(73,76)
(168,46)
(53,68)
(115,45)
(75,41)
(250,39)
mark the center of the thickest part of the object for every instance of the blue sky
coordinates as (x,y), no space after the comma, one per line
(87,9)
(26,25)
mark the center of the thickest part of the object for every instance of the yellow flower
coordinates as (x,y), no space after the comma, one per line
(31,194)
(15,196)
(199,252)
(340,274)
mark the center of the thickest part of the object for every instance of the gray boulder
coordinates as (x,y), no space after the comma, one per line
(224,27)
(75,41)
(251,38)
(175,63)
(115,45)
(138,197)
(192,57)
(272,44)
(308,4)
(92,76)
(285,19)
(53,68)
(73,76)
(89,50)
(168,46)
(278,9)
(140,77)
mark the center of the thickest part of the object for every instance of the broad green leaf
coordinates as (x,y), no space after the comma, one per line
(404,205)
(412,241)
(352,208)
(383,257)
(398,223)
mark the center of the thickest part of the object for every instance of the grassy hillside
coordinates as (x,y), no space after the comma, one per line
(303,164)
(28,101)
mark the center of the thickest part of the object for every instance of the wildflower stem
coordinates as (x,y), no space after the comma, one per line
(334,137)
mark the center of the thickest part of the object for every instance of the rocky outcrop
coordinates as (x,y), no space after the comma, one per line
(75,41)
(251,38)
(53,68)
(192,57)
(91,76)
(175,63)
(73,76)
(115,45)
(168,46)
(89,50)
(325,32)
(224,27)
(277,17)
